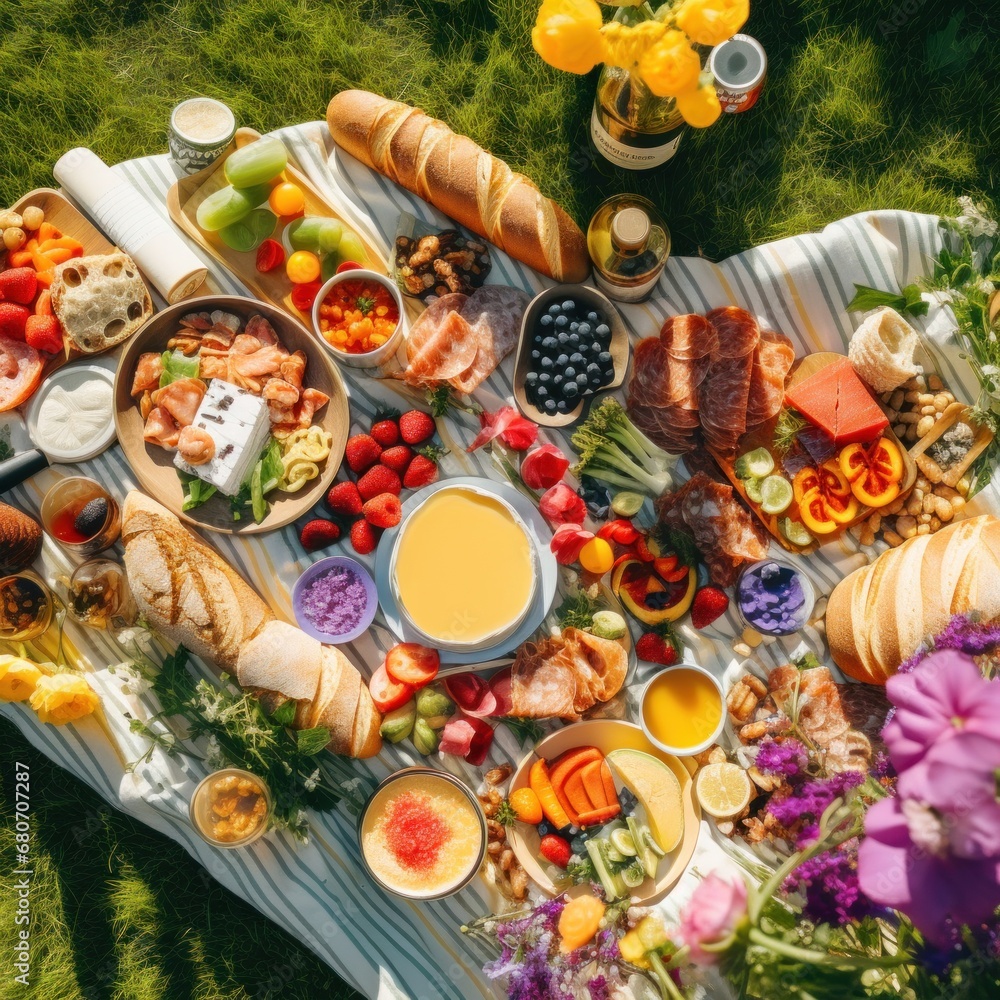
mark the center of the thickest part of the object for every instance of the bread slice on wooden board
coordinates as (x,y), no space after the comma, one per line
(191,595)
(463,180)
(100,300)
(878,616)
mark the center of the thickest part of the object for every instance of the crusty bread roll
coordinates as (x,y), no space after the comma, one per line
(188,593)
(879,615)
(883,349)
(459,177)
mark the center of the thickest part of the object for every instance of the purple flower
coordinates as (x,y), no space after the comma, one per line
(788,757)
(964,634)
(812,798)
(829,882)
(599,988)
(947,694)
(607,947)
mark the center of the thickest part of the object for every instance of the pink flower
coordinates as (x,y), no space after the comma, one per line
(945,695)
(567,542)
(468,737)
(514,430)
(563,505)
(711,917)
(543,467)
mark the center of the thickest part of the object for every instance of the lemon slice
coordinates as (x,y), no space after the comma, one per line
(723,790)
(627,503)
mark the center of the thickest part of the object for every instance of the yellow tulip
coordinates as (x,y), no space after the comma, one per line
(700,106)
(18,678)
(624,45)
(711,22)
(670,66)
(63,698)
(567,34)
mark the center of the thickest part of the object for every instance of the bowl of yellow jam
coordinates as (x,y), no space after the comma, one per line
(463,569)
(683,709)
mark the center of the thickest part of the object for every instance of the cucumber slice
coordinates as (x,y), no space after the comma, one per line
(614,855)
(634,875)
(752,487)
(795,532)
(613,886)
(641,838)
(626,503)
(754,464)
(621,841)
(775,495)
(650,841)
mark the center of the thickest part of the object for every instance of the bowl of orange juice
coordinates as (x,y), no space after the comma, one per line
(683,709)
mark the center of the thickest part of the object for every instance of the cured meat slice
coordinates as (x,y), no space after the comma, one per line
(723,402)
(494,312)
(161,429)
(147,373)
(429,320)
(772,360)
(648,384)
(181,399)
(20,372)
(737,329)
(441,344)
(689,337)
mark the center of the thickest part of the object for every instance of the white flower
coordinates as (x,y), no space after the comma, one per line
(312,781)
(213,754)
(974,219)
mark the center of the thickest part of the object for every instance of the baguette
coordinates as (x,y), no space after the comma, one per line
(189,594)
(460,178)
(878,616)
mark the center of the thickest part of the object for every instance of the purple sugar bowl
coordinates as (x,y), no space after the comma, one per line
(361,617)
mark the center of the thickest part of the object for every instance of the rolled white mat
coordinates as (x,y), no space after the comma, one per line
(130,222)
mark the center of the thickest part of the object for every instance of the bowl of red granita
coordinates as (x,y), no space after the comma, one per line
(335,600)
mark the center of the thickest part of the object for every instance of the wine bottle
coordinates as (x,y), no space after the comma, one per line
(630,126)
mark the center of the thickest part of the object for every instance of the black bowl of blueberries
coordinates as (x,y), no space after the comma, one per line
(573,344)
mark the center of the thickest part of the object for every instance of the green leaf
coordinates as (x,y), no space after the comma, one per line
(196,491)
(177,365)
(250,231)
(284,714)
(526,730)
(909,301)
(311,741)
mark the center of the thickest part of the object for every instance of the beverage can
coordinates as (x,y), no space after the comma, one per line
(739,66)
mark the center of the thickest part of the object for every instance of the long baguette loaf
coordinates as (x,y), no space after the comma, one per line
(459,177)
(878,616)
(191,595)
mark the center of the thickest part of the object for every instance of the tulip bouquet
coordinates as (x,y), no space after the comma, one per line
(571,35)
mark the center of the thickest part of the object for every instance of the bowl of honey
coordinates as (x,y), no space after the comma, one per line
(683,709)
(81,515)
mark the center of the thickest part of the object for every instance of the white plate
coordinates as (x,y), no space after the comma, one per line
(540,534)
(70,378)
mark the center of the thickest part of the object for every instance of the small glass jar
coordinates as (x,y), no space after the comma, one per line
(231,808)
(629,244)
(26,606)
(201,128)
(81,532)
(99,596)
(765,614)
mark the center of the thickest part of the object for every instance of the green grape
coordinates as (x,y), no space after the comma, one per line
(315,233)
(228,205)
(256,162)
(351,248)
(250,231)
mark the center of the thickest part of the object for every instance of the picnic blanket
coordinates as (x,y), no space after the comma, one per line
(318,891)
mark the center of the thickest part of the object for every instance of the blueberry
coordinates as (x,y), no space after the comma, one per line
(545,320)
(594,370)
(574,340)
(563,338)
(603,331)
(583,383)
(561,322)
(585,329)
(546,364)
(594,317)
(535,354)
(596,347)
(562,360)
(569,305)
(558,378)
(541,393)
(92,517)
(569,371)
(549,406)
(550,344)
(574,326)
(571,390)
(555,309)
(563,406)
(604,359)
(544,378)
(607,378)
(576,358)
(531,379)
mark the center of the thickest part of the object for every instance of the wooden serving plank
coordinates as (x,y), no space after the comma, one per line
(189,192)
(763,437)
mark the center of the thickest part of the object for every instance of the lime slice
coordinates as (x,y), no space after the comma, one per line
(795,532)
(775,495)
(634,875)
(754,464)
(752,487)
(626,503)
(723,790)
(622,842)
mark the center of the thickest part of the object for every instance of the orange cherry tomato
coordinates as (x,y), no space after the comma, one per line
(852,461)
(805,480)
(836,490)
(874,491)
(874,472)
(815,514)
(302,267)
(286,199)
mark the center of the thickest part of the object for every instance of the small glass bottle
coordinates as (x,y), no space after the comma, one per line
(629,244)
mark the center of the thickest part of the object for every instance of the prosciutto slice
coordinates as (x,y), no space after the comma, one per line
(494,313)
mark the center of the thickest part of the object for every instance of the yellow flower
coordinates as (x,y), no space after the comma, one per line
(711,22)
(700,106)
(17,678)
(63,698)
(567,34)
(670,66)
(624,45)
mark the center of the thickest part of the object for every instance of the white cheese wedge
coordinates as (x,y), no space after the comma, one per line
(239,424)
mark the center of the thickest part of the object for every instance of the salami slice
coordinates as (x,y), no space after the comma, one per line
(772,360)
(20,372)
(429,320)
(689,337)
(737,329)
(494,312)
(723,402)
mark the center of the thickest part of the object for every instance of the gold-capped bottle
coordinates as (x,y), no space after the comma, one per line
(629,244)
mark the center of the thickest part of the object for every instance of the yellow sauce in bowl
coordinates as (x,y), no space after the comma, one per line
(464,568)
(682,708)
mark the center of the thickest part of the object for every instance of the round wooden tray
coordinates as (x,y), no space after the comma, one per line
(153,466)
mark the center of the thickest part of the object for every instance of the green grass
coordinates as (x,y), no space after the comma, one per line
(867,106)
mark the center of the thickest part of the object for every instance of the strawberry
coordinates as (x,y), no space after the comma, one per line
(385,430)
(270,254)
(364,537)
(362,451)
(44,333)
(416,426)
(397,457)
(379,479)
(344,499)
(18,284)
(555,849)
(43,304)
(12,320)
(656,648)
(383,511)
(709,603)
(317,534)
(423,470)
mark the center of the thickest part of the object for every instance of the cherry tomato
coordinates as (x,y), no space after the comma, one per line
(387,693)
(302,267)
(412,664)
(303,296)
(348,265)
(286,199)
(270,254)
